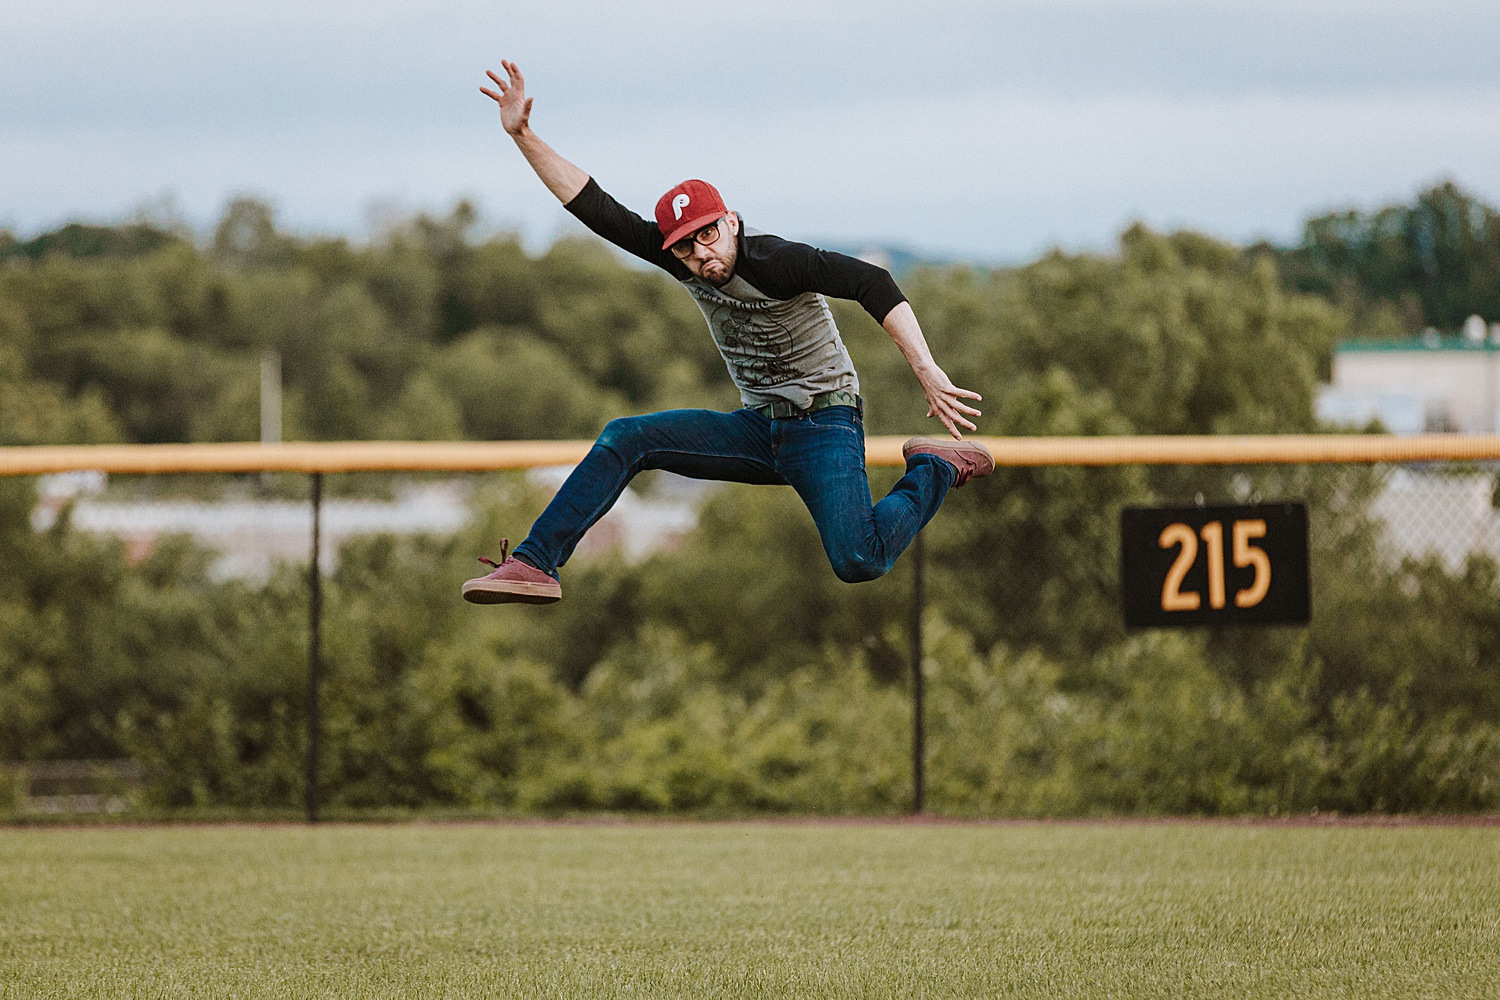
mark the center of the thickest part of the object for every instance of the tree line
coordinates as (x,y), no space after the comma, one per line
(138,333)
(733,673)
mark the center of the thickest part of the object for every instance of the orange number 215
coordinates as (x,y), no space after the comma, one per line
(1174,598)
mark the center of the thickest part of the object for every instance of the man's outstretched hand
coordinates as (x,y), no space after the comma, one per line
(945,401)
(562,178)
(515,106)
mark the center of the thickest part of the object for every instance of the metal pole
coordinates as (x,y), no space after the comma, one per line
(314,650)
(918,734)
(270,397)
(270,404)
(1490,396)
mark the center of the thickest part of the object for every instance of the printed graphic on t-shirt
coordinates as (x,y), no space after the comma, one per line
(757,347)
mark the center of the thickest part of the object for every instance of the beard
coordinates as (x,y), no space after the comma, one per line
(717,272)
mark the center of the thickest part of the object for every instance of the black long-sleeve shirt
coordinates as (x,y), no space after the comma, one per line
(770,320)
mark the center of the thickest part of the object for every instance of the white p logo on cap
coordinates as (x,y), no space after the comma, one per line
(678,204)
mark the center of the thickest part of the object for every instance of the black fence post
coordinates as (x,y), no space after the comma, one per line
(314,651)
(918,727)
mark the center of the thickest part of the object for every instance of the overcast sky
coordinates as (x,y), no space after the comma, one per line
(988,130)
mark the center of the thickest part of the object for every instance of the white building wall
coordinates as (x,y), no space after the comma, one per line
(252,536)
(1459,388)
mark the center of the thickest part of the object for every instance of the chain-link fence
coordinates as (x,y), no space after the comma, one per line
(1438,511)
(739,619)
(1418,511)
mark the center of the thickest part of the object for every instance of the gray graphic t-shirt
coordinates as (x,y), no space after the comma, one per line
(770,321)
(775,348)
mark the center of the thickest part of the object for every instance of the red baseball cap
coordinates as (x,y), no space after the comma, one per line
(687,208)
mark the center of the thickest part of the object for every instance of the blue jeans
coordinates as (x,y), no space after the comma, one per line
(820,455)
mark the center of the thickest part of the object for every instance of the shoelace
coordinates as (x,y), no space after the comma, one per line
(504,548)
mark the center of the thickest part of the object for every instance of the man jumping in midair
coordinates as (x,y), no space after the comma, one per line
(802,422)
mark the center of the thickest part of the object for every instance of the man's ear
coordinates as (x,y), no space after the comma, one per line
(734,223)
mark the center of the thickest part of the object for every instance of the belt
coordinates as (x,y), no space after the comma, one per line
(783,409)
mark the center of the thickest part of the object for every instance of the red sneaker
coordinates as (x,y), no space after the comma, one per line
(512,582)
(973,461)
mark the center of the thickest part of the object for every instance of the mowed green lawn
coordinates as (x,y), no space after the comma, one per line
(751,909)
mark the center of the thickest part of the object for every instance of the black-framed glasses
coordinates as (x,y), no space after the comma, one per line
(708,236)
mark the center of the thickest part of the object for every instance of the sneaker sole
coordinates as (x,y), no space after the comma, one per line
(483,591)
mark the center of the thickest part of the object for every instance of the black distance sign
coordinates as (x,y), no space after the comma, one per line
(1243,564)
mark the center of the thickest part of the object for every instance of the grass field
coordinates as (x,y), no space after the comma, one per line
(751,909)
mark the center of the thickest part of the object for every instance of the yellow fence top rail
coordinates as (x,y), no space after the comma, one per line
(483,456)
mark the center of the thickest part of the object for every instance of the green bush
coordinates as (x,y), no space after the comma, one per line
(734,672)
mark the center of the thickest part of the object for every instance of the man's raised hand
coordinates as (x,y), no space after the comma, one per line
(515,106)
(562,178)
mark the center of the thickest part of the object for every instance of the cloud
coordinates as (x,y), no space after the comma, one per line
(991,128)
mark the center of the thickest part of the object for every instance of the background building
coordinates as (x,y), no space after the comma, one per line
(1431,384)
